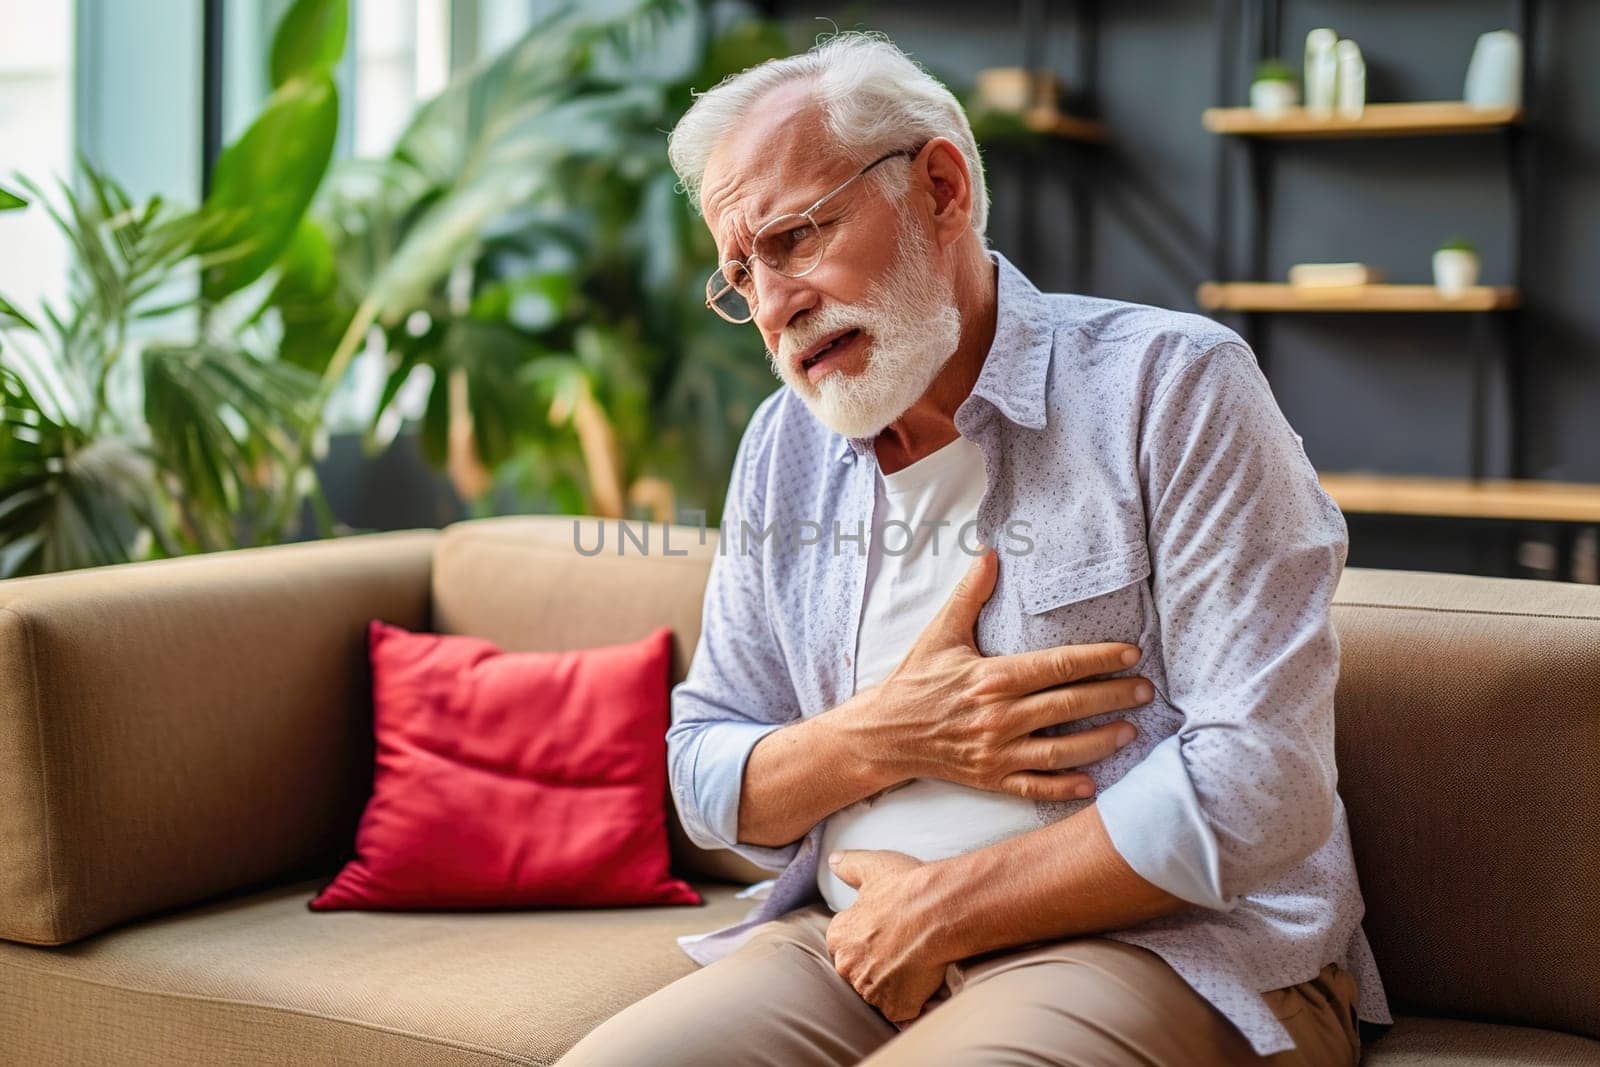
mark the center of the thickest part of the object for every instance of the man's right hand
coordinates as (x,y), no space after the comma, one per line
(950,712)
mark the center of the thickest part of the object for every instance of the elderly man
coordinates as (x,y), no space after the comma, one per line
(1017,661)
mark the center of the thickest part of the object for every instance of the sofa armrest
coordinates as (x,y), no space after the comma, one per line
(177,729)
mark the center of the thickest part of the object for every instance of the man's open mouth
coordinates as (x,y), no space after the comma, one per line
(838,344)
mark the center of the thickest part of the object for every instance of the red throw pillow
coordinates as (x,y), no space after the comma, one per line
(513,779)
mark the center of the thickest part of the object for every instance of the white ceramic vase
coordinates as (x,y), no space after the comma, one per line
(1273,99)
(1455,271)
(1494,77)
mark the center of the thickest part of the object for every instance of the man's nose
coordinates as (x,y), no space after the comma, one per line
(778,300)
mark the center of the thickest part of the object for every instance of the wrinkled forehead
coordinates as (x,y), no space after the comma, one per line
(782,159)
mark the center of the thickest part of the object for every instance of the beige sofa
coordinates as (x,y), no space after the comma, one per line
(185,747)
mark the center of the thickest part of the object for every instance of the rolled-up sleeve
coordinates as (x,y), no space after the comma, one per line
(738,688)
(1246,551)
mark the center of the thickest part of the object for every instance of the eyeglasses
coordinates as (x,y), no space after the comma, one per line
(790,244)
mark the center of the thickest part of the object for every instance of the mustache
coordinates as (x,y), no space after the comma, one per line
(820,324)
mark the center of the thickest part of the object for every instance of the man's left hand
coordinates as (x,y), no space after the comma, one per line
(880,943)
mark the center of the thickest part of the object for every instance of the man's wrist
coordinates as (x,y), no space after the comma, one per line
(943,901)
(865,741)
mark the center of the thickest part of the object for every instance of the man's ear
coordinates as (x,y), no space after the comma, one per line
(942,170)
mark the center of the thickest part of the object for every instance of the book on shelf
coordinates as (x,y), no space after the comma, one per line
(1333,275)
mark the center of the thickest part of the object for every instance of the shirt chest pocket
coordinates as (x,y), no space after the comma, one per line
(1100,597)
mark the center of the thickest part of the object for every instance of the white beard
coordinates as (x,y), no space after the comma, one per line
(913,327)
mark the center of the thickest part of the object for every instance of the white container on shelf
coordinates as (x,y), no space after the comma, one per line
(1455,270)
(1272,98)
(1322,71)
(1351,95)
(1494,76)
(1007,89)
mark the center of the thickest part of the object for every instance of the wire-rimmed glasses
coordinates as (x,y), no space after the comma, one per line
(790,244)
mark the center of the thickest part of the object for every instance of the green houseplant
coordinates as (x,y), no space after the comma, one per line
(525,246)
(148,415)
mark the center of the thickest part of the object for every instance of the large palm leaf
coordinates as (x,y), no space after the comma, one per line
(122,434)
(65,500)
(222,423)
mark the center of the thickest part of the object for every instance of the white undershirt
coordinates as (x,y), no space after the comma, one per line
(911,572)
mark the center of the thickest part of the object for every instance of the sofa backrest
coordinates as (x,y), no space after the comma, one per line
(523,583)
(174,730)
(1468,724)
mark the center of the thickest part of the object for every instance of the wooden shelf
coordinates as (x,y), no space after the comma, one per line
(1464,498)
(1377,120)
(1046,120)
(1274,296)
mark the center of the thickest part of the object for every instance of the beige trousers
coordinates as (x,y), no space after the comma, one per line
(777,1000)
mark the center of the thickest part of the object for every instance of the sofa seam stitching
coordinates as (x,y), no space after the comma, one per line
(44,773)
(332,544)
(509,1057)
(511,541)
(1464,611)
(548,550)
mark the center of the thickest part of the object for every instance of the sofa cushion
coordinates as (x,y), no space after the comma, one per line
(1423,1042)
(522,583)
(513,779)
(261,980)
(178,729)
(1468,725)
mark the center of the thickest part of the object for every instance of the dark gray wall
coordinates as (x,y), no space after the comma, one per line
(1387,393)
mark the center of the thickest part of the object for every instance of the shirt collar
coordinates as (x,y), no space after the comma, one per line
(1015,369)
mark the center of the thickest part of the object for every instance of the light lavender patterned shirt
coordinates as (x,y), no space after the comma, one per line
(1143,487)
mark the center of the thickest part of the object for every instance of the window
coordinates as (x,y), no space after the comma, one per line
(36,128)
(402,56)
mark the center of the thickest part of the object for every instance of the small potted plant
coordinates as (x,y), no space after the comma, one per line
(1455,267)
(1274,91)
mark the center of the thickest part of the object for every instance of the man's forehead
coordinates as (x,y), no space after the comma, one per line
(770,163)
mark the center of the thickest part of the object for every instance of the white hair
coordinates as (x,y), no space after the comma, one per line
(874,99)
